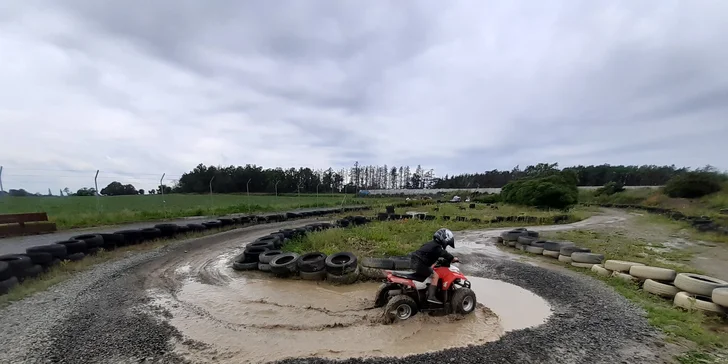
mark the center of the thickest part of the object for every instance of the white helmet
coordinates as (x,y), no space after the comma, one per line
(444,237)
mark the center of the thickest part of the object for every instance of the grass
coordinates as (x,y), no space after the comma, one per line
(77,212)
(385,238)
(705,336)
(682,228)
(486,212)
(68,269)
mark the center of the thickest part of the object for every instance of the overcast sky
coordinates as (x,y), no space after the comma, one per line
(145,88)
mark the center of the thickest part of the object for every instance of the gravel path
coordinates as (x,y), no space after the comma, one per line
(103,316)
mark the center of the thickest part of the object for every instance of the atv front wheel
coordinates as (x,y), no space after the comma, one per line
(463,301)
(399,308)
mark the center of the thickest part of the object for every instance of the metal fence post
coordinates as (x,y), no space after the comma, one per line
(211,179)
(161,189)
(1,179)
(96,186)
(247,189)
(317,186)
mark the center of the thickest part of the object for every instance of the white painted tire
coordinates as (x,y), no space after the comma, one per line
(564,259)
(624,276)
(720,296)
(591,258)
(698,284)
(662,289)
(534,250)
(600,270)
(549,253)
(519,246)
(619,265)
(581,265)
(512,243)
(646,272)
(697,302)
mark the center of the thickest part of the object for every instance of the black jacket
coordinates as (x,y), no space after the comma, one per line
(429,252)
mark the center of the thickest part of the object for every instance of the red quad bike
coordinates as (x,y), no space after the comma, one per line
(404,294)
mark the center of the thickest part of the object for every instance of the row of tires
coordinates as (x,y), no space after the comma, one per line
(558,219)
(266,254)
(16,268)
(687,290)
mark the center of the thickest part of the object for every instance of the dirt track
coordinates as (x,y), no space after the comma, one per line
(148,308)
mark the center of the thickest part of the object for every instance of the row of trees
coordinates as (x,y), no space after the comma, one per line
(587,175)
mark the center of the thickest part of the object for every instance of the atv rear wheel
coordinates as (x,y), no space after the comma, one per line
(463,301)
(380,299)
(399,308)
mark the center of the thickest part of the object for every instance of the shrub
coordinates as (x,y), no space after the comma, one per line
(556,191)
(694,184)
(486,198)
(609,189)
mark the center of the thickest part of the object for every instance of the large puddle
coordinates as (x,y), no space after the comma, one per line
(251,317)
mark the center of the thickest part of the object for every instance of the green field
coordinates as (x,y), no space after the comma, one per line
(75,212)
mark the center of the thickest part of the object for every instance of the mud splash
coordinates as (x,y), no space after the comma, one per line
(257,318)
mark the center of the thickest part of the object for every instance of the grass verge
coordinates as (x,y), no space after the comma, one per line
(68,269)
(704,337)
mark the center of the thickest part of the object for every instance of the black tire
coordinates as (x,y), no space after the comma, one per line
(312,262)
(74,246)
(266,257)
(538,243)
(346,278)
(150,234)
(53,263)
(526,240)
(284,265)
(17,263)
(75,257)
(288,233)
(226,221)
(131,237)
(341,263)
(267,244)
(380,298)
(196,228)
(568,250)
(5,271)
(379,263)
(93,251)
(264,267)
(212,224)
(343,223)
(252,254)
(402,263)
(91,240)
(533,234)
(552,246)
(182,229)
(313,276)
(8,284)
(245,265)
(55,250)
(41,258)
(34,271)
(463,301)
(167,230)
(399,308)
(111,241)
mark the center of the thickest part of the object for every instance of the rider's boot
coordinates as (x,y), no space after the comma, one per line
(431,295)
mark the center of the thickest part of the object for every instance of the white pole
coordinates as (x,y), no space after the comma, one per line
(96,186)
(161,189)
(247,188)
(211,179)
(317,186)
(1,179)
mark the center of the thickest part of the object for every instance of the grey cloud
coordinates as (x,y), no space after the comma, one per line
(458,87)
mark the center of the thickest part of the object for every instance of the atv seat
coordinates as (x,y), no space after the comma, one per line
(410,275)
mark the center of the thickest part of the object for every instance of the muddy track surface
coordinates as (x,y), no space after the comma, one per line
(183,304)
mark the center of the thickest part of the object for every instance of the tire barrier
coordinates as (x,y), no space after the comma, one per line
(700,223)
(687,290)
(15,268)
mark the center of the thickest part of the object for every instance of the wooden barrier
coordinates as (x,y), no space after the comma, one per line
(25,224)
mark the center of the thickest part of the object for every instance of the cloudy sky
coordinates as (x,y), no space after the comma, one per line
(463,86)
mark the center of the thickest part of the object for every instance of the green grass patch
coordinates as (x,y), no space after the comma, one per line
(76,212)
(485,212)
(681,228)
(384,238)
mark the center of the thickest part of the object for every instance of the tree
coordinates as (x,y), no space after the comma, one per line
(152,191)
(164,189)
(86,192)
(117,189)
(694,184)
(556,191)
(19,193)
(67,191)
(141,191)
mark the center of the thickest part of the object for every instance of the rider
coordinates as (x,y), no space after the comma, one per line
(424,257)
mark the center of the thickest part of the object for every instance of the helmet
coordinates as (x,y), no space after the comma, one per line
(444,237)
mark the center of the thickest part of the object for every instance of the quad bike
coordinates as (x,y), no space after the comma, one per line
(404,294)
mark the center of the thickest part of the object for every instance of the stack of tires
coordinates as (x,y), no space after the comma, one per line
(342,268)
(518,238)
(376,268)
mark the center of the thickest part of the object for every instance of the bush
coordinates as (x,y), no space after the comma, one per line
(694,184)
(556,191)
(609,189)
(486,198)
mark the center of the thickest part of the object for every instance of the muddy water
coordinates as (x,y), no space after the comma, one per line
(257,318)
(517,308)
